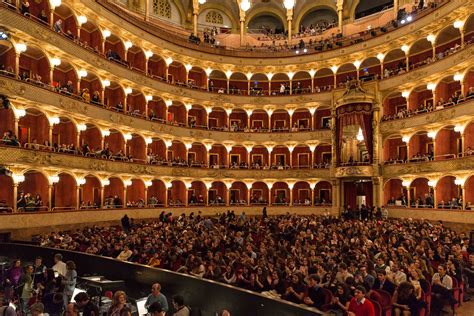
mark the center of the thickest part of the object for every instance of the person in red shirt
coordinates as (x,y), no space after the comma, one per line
(359,305)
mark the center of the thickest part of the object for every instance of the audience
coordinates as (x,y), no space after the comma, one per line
(293,257)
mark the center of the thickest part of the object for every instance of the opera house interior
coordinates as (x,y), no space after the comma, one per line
(284,157)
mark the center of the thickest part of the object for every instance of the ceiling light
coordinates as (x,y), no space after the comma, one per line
(82,73)
(148,53)
(128,90)
(82,19)
(244,5)
(458,24)
(128,44)
(20,47)
(289,4)
(106,83)
(55,61)
(106,33)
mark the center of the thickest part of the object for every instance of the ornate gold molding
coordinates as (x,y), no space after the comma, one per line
(354,171)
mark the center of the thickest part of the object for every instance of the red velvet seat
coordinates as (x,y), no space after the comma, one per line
(377,307)
(384,299)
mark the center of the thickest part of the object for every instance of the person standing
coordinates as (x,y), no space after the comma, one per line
(69,280)
(59,265)
(178,304)
(26,289)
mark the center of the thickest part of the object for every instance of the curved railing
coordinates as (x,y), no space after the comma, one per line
(209,297)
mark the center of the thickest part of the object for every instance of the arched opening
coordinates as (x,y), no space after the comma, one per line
(156,152)
(323,80)
(218,157)
(394,107)
(448,92)
(301,157)
(468,146)
(90,193)
(394,150)
(33,130)
(280,121)
(395,194)
(7,123)
(322,156)
(7,202)
(90,140)
(448,193)
(322,119)
(421,196)
(238,158)
(469,30)
(420,147)
(157,67)
(448,144)
(34,66)
(65,78)
(7,59)
(197,78)
(68,24)
(421,100)
(197,117)
(136,104)
(114,193)
(259,157)
(197,155)
(217,82)
(323,193)
(238,84)
(369,69)
(280,158)
(33,193)
(177,154)
(65,136)
(115,49)
(91,89)
(259,83)
(177,194)
(136,194)
(136,149)
(420,54)
(217,194)
(39,10)
(177,73)
(64,193)
(302,194)
(114,144)
(238,194)
(345,73)
(217,119)
(259,121)
(394,63)
(259,193)
(157,194)
(238,120)
(266,23)
(301,120)
(136,58)
(280,194)
(114,97)
(177,114)
(91,37)
(448,42)
(197,194)
(301,83)
(317,20)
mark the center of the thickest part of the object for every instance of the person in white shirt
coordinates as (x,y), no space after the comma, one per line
(125,254)
(59,265)
(397,275)
(442,285)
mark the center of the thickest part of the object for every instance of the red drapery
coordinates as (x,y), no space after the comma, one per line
(355,114)
(353,189)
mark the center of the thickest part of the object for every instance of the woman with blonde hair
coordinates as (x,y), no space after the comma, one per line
(119,302)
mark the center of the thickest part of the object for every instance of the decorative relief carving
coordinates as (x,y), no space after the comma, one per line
(353,171)
(441,116)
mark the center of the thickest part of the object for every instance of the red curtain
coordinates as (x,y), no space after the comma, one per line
(355,114)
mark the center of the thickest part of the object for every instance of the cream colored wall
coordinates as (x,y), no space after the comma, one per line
(24,225)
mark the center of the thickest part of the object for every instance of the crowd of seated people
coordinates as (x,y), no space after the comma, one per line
(427,201)
(317,261)
(427,107)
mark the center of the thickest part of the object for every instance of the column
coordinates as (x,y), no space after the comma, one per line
(291,86)
(334,144)
(461,30)
(78,86)
(50,197)
(147,10)
(312,195)
(269,87)
(227,202)
(377,187)
(51,75)
(102,190)
(242,27)
(124,200)
(166,196)
(269,121)
(248,195)
(289,18)
(78,200)
(312,84)
(228,85)
(249,114)
(195,21)
(376,135)
(463,197)
(291,196)
(146,196)
(462,143)
(269,195)
(340,4)
(409,197)
(50,134)
(435,197)
(15,197)
(186,195)
(17,64)
(395,9)
(336,195)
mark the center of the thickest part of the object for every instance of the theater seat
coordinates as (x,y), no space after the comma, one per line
(327,296)
(384,299)
(377,307)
